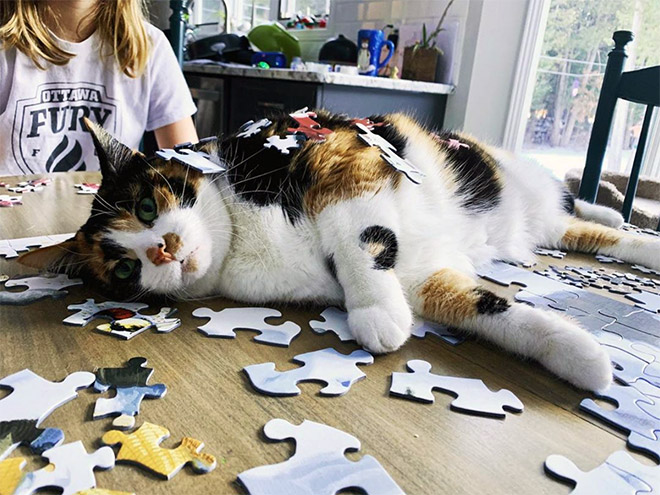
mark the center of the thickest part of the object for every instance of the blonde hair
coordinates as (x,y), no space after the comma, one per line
(119,24)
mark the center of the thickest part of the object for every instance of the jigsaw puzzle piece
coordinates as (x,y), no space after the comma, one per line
(130,384)
(318,466)
(198,160)
(224,323)
(639,319)
(252,128)
(11,474)
(472,394)
(143,447)
(71,468)
(554,253)
(504,274)
(38,288)
(89,310)
(25,432)
(284,144)
(646,300)
(421,328)
(334,320)
(339,371)
(619,475)
(628,415)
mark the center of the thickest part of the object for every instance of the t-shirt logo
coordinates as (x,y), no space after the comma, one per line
(49,130)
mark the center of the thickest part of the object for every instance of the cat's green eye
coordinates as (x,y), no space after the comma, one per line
(125,268)
(147,211)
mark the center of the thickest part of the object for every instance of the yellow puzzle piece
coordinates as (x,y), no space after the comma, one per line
(143,447)
(11,474)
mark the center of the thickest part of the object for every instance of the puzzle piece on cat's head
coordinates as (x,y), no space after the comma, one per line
(31,400)
(7,201)
(223,323)
(38,288)
(472,394)
(127,321)
(284,144)
(252,128)
(194,159)
(318,466)
(338,370)
(143,447)
(619,475)
(629,416)
(70,468)
(421,328)
(131,387)
(307,126)
(389,154)
(554,253)
(334,320)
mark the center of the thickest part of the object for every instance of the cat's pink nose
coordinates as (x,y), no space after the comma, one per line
(157,255)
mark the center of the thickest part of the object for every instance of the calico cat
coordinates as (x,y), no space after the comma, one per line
(329,221)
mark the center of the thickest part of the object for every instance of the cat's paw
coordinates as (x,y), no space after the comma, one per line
(577,357)
(380,329)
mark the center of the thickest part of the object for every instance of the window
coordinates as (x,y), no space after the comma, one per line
(316,8)
(577,40)
(243,14)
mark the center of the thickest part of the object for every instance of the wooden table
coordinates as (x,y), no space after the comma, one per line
(427,449)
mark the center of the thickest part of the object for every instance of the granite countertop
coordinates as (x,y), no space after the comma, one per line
(317,77)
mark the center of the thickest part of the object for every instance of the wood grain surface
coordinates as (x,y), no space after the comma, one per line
(426,448)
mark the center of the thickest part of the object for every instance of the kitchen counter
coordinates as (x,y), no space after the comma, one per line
(322,78)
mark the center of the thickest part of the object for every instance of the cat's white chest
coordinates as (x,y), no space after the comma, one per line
(272,260)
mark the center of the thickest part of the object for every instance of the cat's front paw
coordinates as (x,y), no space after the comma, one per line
(380,329)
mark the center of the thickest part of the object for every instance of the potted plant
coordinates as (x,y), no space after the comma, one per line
(421,60)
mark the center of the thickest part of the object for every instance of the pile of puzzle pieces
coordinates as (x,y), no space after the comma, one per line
(71,468)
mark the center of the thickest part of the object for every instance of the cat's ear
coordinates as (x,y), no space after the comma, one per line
(112,154)
(61,258)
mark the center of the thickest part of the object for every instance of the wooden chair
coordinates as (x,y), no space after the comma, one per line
(639,86)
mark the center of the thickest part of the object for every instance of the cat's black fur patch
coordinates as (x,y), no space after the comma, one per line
(332,267)
(476,172)
(376,234)
(112,250)
(568,201)
(489,303)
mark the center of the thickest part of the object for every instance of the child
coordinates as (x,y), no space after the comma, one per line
(61,61)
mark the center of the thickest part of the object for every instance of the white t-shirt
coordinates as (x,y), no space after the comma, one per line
(41,111)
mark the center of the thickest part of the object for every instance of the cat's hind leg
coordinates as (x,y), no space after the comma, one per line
(589,237)
(450,297)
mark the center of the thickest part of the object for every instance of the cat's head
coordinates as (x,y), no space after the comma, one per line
(154,227)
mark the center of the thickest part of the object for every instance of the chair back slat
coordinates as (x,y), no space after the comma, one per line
(641,86)
(631,190)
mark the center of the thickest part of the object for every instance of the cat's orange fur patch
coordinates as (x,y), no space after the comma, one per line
(172,242)
(344,168)
(449,296)
(588,237)
(126,222)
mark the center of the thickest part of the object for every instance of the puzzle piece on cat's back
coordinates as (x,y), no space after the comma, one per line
(70,468)
(472,394)
(334,320)
(338,370)
(619,475)
(31,400)
(628,416)
(143,447)
(252,128)
(223,323)
(284,144)
(318,466)
(130,384)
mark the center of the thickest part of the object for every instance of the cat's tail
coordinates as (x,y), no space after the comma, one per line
(599,214)
(562,346)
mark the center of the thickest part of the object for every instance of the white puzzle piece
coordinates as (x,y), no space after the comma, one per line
(319,465)
(251,128)
(31,400)
(473,395)
(223,323)
(389,154)
(554,253)
(334,320)
(421,328)
(87,188)
(284,144)
(9,201)
(71,468)
(48,281)
(11,247)
(619,475)
(338,370)
(195,159)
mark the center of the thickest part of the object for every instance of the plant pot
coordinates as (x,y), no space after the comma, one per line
(421,64)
